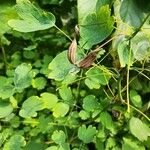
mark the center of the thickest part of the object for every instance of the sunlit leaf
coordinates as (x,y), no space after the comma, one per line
(60,110)
(59,137)
(23,76)
(32,18)
(125,54)
(5,109)
(131,145)
(96,27)
(31,106)
(139,129)
(16,142)
(60,67)
(97,76)
(49,100)
(39,83)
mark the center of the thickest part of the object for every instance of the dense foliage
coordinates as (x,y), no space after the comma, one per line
(74,75)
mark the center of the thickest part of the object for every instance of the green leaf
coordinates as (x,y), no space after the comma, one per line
(96,27)
(49,100)
(139,129)
(86,134)
(36,143)
(110,143)
(16,142)
(136,98)
(23,76)
(85,7)
(7,12)
(5,109)
(84,114)
(31,106)
(130,13)
(90,103)
(60,67)
(97,76)
(59,137)
(107,122)
(39,83)
(52,148)
(60,110)
(7,91)
(124,54)
(131,145)
(66,94)
(32,18)
(141,46)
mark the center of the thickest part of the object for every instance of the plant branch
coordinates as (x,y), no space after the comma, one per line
(139,28)
(63,32)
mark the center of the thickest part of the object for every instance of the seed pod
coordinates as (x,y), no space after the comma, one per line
(88,60)
(72,51)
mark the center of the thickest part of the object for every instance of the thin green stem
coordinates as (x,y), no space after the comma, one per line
(4,56)
(63,32)
(138,111)
(139,28)
(128,78)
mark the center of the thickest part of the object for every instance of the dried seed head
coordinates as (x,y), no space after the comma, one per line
(72,51)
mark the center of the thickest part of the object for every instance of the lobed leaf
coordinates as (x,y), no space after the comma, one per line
(86,134)
(31,106)
(96,27)
(32,18)
(60,67)
(97,76)
(139,129)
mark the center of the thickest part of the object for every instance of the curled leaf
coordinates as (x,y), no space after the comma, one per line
(77,31)
(89,59)
(72,51)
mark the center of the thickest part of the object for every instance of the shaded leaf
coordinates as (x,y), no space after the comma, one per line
(136,98)
(130,13)
(66,94)
(90,103)
(107,122)
(32,18)
(86,134)
(139,129)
